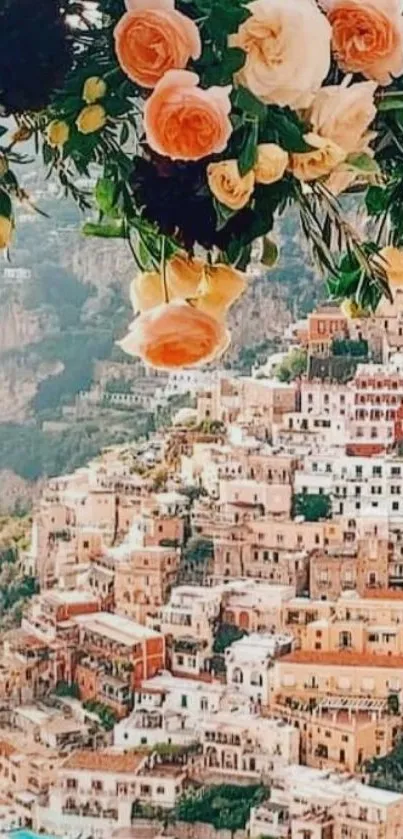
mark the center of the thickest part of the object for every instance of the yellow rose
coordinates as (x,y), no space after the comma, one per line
(320,161)
(228,186)
(6,230)
(57,133)
(351,309)
(183,276)
(94,89)
(391,260)
(220,287)
(91,118)
(271,163)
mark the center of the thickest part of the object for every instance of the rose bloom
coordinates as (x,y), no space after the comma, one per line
(287,46)
(183,276)
(391,260)
(91,118)
(320,161)
(184,122)
(94,89)
(153,37)
(228,186)
(57,133)
(175,335)
(6,231)
(367,37)
(272,161)
(220,287)
(344,114)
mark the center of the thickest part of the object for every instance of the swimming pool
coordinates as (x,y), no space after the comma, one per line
(23,833)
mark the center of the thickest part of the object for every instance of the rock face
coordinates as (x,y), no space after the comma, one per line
(20,327)
(16,492)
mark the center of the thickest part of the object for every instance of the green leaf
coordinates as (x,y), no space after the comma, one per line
(6,207)
(247,102)
(223,214)
(282,126)
(376,200)
(362,162)
(391,103)
(270,254)
(105,195)
(113,229)
(234,59)
(248,155)
(124,134)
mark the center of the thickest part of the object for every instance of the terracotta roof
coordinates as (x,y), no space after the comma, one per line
(382,594)
(104,761)
(343,658)
(6,749)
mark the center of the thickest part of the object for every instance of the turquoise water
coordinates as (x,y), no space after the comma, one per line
(28,834)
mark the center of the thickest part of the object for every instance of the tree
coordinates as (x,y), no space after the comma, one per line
(226,635)
(226,806)
(67,689)
(313,507)
(196,558)
(294,365)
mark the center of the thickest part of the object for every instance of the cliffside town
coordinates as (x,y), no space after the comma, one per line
(214,642)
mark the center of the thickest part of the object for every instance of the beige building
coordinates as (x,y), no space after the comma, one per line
(247,746)
(308,803)
(144,579)
(309,675)
(96,792)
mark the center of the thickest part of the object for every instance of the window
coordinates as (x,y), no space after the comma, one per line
(184,701)
(97,785)
(86,544)
(160,790)
(71,783)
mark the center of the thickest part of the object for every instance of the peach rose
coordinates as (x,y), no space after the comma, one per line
(320,161)
(228,186)
(344,114)
(183,276)
(287,46)
(367,37)
(153,37)
(271,163)
(175,335)
(184,122)
(219,289)
(391,260)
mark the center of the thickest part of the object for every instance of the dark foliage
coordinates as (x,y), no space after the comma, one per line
(176,196)
(35,53)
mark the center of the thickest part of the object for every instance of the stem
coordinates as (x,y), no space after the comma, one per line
(132,250)
(164,270)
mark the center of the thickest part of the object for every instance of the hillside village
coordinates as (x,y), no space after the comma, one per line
(215,645)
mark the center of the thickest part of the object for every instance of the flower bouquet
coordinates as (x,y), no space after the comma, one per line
(202,121)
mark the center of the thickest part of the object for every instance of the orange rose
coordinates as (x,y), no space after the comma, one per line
(184,122)
(152,38)
(368,37)
(175,335)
